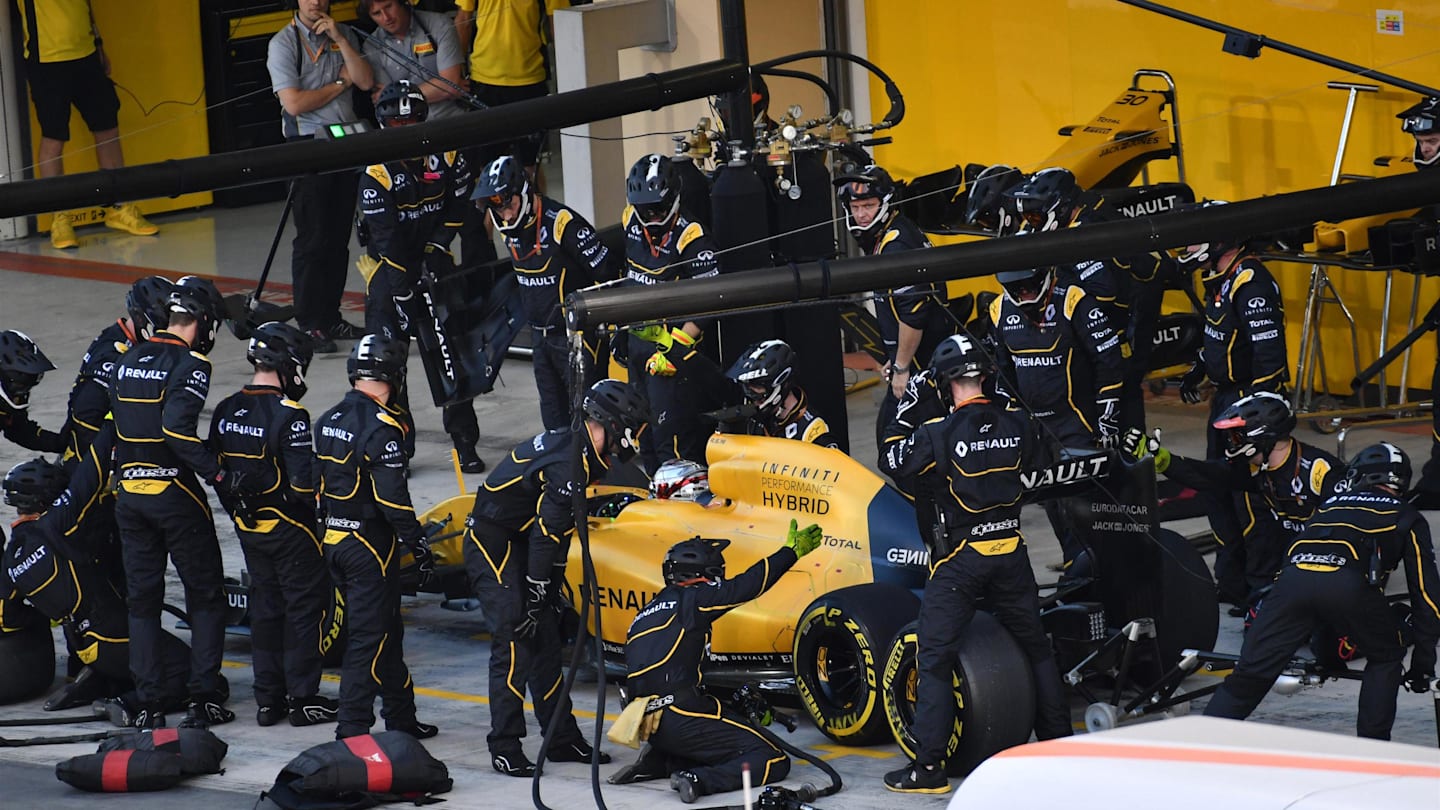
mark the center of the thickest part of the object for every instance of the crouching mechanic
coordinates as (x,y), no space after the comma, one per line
(1288,478)
(263,436)
(706,744)
(410,211)
(517,539)
(1336,573)
(976,552)
(366,503)
(49,566)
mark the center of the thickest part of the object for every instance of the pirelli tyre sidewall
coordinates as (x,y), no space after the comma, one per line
(994,694)
(332,631)
(27,662)
(840,644)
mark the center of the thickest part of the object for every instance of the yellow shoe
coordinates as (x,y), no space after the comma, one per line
(129,219)
(62,232)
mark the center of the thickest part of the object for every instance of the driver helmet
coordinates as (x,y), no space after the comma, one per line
(681,479)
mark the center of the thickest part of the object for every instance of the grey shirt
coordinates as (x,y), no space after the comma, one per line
(300,59)
(432,42)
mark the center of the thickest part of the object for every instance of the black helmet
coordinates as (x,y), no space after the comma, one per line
(1255,423)
(653,190)
(198,298)
(31,486)
(985,204)
(764,372)
(1206,255)
(696,558)
(285,350)
(505,178)
(148,303)
(1381,464)
(623,413)
(1047,200)
(401,103)
(870,183)
(1027,288)
(960,356)
(22,367)
(1422,119)
(376,357)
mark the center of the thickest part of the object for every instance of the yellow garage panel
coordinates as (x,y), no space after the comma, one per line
(993,82)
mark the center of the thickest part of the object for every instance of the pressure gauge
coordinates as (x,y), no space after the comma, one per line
(788,132)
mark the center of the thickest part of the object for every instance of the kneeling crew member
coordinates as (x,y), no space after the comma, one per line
(763,373)
(263,436)
(48,566)
(976,552)
(665,646)
(516,544)
(1336,575)
(359,445)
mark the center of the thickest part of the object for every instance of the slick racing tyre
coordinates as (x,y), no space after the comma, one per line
(840,645)
(1189,607)
(332,632)
(994,693)
(27,660)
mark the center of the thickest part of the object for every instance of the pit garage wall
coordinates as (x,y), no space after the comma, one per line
(157,56)
(992,82)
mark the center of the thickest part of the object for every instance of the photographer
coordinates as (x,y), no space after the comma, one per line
(708,743)
(313,62)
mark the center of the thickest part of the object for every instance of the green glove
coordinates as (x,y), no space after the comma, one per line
(1137,445)
(805,540)
(655,333)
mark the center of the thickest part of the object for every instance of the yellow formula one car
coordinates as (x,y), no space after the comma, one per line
(838,630)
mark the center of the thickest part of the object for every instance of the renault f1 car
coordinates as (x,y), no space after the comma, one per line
(838,630)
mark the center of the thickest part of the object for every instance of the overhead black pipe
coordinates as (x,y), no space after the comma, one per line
(1243,43)
(175,177)
(735,47)
(814,281)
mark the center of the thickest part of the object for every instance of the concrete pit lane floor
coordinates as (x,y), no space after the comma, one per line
(64,300)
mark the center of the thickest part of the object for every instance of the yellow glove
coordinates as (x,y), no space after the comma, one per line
(655,333)
(659,365)
(681,337)
(367,265)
